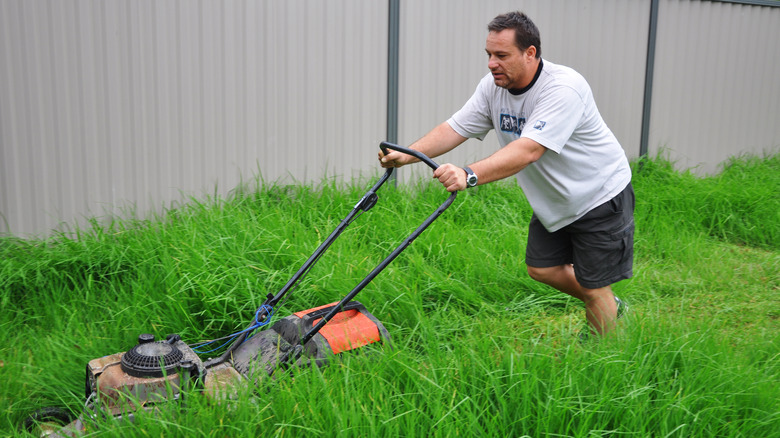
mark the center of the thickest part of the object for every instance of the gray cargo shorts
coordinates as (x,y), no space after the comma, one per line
(600,244)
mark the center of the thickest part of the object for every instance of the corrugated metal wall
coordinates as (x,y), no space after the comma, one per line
(716,89)
(114,105)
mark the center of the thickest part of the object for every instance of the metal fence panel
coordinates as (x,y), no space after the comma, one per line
(716,92)
(113,106)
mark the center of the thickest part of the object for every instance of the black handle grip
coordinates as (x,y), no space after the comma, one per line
(417,154)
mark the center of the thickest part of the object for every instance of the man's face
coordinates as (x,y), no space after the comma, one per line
(511,67)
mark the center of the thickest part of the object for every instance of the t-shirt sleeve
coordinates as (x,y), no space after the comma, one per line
(555,118)
(474,119)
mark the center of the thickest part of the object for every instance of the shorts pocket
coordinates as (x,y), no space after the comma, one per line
(627,231)
(616,204)
(624,240)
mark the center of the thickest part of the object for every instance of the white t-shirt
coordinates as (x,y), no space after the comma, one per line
(585,165)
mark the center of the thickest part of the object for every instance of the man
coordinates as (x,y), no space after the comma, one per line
(569,164)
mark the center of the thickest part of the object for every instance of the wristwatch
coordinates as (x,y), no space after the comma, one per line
(471,177)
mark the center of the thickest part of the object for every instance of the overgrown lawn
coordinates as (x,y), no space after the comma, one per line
(479,349)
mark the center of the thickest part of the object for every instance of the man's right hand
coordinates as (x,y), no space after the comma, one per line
(440,140)
(394,159)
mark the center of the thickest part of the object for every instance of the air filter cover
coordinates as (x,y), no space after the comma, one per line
(152,359)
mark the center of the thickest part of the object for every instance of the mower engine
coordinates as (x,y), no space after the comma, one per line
(148,373)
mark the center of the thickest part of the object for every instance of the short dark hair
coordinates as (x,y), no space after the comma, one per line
(526,32)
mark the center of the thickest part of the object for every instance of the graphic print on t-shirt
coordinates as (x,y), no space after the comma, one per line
(513,124)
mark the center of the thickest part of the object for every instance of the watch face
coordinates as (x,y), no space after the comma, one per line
(471,178)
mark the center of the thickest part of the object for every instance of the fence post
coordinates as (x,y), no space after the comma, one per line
(650,64)
(393,31)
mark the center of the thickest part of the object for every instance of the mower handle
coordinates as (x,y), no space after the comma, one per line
(338,307)
(365,204)
(416,154)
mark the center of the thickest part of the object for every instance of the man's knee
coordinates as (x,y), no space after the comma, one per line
(542,275)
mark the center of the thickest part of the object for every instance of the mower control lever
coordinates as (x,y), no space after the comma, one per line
(367,202)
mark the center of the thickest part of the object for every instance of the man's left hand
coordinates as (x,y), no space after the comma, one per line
(451,176)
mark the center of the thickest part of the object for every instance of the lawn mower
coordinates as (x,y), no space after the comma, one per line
(158,371)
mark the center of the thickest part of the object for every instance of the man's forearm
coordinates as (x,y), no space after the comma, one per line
(440,140)
(508,160)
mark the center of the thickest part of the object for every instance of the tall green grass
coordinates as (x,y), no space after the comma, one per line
(479,349)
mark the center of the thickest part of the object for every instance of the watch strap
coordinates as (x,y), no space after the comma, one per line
(471,177)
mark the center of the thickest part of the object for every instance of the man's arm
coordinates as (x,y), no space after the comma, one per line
(506,162)
(440,140)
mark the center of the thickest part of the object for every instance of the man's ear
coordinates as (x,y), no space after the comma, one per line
(531,51)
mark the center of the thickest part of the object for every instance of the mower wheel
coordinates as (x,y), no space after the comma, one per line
(46,421)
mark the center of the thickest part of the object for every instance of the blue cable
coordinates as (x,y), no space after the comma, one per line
(269,311)
(257,324)
(215,349)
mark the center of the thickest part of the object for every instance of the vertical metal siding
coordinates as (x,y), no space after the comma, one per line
(113,106)
(716,92)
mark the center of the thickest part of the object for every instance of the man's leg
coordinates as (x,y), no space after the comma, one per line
(600,305)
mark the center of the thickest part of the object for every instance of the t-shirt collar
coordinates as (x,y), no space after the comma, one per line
(519,91)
